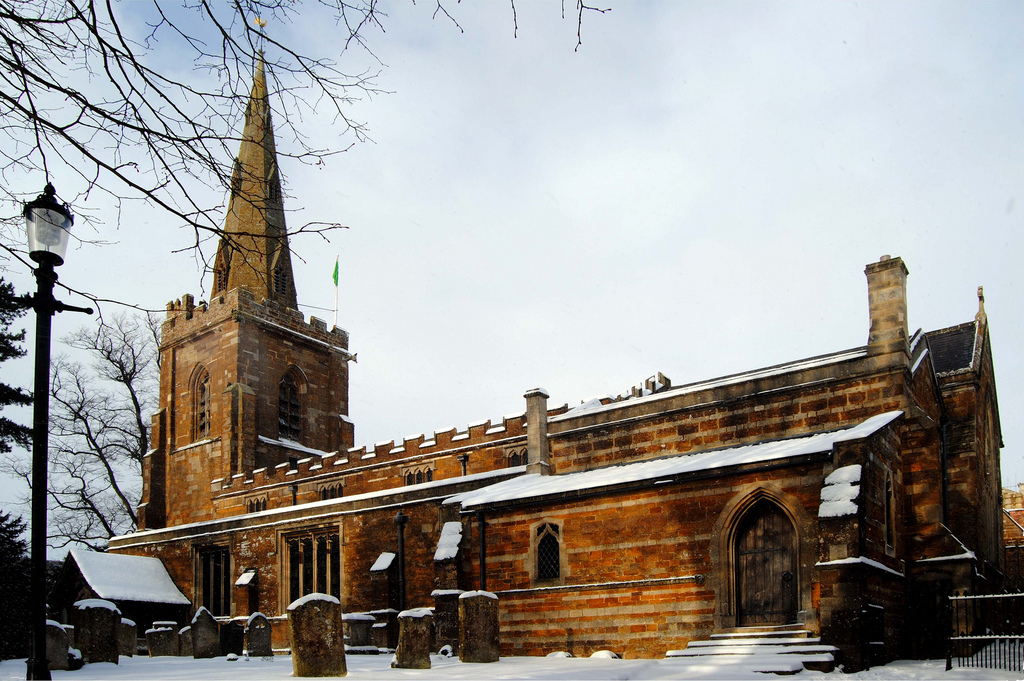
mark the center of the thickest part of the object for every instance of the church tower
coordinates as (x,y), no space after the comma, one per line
(245,382)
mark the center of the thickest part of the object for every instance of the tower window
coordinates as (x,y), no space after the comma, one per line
(289,410)
(201,405)
(280,280)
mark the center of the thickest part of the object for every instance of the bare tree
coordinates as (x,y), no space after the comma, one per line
(89,99)
(99,430)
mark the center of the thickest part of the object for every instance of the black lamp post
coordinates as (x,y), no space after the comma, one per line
(48,228)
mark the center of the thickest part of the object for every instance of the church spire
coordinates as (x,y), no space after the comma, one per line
(253,251)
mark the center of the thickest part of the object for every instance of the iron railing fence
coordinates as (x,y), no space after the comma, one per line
(986,630)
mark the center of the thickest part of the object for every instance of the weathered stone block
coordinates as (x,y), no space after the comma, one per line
(205,635)
(413,650)
(162,641)
(358,640)
(56,645)
(127,636)
(185,642)
(97,624)
(258,635)
(478,627)
(317,636)
(446,617)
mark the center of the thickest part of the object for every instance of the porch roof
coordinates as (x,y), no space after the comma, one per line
(120,577)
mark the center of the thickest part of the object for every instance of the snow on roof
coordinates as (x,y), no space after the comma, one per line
(535,485)
(777,370)
(292,444)
(448,542)
(383,561)
(119,577)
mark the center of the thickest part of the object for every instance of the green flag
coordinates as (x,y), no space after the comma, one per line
(336,271)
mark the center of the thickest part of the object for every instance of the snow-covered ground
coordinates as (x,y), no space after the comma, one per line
(535,668)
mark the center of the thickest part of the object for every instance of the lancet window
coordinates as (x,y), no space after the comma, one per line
(200,404)
(289,409)
(548,548)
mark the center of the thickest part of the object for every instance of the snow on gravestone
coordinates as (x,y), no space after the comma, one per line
(205,635)
(126,638)
(257,636)
(478,627)
(162,639)
(185,642)
(413,650)
(317,637)
(97,629)
(357,633)
(56,645)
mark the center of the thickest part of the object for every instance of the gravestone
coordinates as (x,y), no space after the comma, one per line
(413,650)
(185,642)
(56,645)
(317,637)
(446,617)
(357,633)
(69,629)
(478,627)
(205,635)
(162,640)
(232,637)
(257,636)
(126,638)
(384,633)
(97,630)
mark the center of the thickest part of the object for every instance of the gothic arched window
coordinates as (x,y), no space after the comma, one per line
(549,551)
(289,409)
(200,404)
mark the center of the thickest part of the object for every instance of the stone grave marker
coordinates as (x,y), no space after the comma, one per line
(257,636)
(413,650)
(446,617)
(127,634)
(56,645)
(232,637)
(162,639)
(478,627)
(205,635)
(185,642)
(357,633)
(317,637)
(97,625)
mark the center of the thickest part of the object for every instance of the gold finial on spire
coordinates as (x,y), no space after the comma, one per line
(262,23)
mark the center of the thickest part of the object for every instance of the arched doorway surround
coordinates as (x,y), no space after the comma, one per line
(739,536)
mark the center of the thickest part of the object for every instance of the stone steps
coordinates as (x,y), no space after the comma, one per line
(780,650)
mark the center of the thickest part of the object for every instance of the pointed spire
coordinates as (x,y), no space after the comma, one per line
(253,251)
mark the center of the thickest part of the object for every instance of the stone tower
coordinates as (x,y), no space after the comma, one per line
(245,382)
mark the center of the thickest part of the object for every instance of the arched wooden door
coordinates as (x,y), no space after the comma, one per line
(766,573)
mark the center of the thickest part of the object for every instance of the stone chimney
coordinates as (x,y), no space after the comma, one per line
(538,455)
(887,304)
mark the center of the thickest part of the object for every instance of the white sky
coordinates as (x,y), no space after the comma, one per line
(696,190)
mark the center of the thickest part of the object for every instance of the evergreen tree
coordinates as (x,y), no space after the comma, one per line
(14,589)
(10,309)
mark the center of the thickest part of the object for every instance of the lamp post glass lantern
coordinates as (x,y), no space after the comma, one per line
(48,230)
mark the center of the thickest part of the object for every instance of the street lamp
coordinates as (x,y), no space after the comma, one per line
(48,228)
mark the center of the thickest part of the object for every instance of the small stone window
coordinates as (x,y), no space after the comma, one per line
(256,504)
(548,544)
(330,492)
(517,456)
(200,404)
(289,410)
(419,475)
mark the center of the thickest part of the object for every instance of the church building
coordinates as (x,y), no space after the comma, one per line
(849,493)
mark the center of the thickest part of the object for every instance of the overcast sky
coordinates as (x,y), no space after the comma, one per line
(696,190)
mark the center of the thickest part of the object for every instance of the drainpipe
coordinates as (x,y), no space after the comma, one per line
(483,549)
(401,519)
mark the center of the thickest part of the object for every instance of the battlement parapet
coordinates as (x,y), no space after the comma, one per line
(185,317)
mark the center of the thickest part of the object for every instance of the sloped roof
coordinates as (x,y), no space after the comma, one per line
(534,485)
(119,577)
(953,348)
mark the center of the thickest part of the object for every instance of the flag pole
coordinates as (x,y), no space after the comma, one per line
(336,291)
